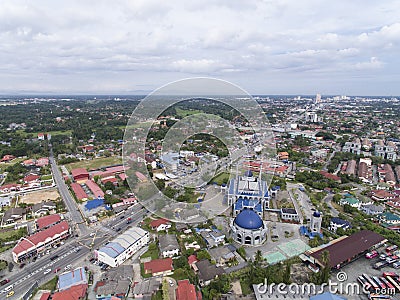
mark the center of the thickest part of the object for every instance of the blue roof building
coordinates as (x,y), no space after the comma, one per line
(327,296)
(69,279)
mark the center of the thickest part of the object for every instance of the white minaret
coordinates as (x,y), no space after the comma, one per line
(316,222)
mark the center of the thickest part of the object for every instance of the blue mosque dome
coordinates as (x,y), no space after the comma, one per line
(316,214)
(248,219)
(248,173)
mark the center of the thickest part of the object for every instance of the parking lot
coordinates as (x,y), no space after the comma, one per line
(360,266)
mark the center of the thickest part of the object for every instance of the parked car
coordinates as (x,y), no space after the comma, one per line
(390,260)
(371,254)
(380,264)
(10,294)
(382,257)
(396,265)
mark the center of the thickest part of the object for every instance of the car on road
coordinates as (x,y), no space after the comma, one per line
(22,265)
(68,267)
(9,288)
(92,234)
(119,229)
(10,294)
(47,271)
(56,270)
(4,281)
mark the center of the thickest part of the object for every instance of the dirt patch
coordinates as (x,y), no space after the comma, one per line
(39,196)
(236,288)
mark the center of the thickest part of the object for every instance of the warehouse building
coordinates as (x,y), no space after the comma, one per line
(123,247)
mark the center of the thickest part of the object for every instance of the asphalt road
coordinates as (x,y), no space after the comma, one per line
(72,206)
(24,278)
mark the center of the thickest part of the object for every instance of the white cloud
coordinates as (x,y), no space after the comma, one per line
(242,40)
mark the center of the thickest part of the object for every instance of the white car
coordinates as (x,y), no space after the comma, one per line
(47,271)
(68,267)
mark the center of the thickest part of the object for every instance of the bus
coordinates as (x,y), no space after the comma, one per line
(373,284)
(364,283)
(379,282)
(393,282)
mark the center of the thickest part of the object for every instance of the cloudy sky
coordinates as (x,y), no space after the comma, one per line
(266,47)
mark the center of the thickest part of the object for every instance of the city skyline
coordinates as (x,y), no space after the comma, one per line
(302,47)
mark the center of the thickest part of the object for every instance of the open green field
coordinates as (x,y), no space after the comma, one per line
(221,178)
(95,163)
(184,112)
(11,163)
(53,133)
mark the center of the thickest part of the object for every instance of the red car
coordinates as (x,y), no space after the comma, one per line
(4,281)
(56,270)
(372,254)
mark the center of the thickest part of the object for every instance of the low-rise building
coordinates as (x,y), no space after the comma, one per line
(72,278)
(122,247)
(336,223)
(389,218)
(221,255)
(353,202)
(168,244)
(162,266)
(13,215)
(207,272)
(146,288)
(213,237)
(160,224)
(372,209)
(40,209)
(32,245)
(47,221)
(289,214)
(186,291)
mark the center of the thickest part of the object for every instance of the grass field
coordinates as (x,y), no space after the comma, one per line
(95,163)
(184,113)
(221,178)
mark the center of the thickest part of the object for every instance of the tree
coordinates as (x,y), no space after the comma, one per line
(286,274)
(326,270)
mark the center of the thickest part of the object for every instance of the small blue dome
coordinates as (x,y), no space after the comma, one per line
(248,173)
(248,219)
(316,214)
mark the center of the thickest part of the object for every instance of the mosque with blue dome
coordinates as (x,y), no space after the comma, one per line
(249,197)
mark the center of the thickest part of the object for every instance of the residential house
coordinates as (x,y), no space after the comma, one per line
(372,209)
(168,244)
(5,200)
(146,288)
(72,278)
(13,215)
(40,209)
(353,202)
(381,195)
(221,255)
(186,291)
(207,272)
(162,266)
(336,223)
(160,224)
(212,238)
(76,292)
(107,289)
(389,218)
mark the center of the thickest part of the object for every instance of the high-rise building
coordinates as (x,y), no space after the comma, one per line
(318,98)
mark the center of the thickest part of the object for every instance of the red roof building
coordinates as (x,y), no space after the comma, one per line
(7,158)
(10,187)
(185,291)
(47,221)
(45,296)
(156,223)
(76,292)
(31,178)
(192,259)
(40,240)
(80,174)
(162,266)
(43,161)
(79,191)
(95,189)
(330,176)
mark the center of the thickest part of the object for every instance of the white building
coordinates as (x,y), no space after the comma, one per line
(336,223)
(316,222)
(169,246)
(122,247)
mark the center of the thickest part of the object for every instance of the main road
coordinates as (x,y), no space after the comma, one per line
(74,252)
(70,202)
